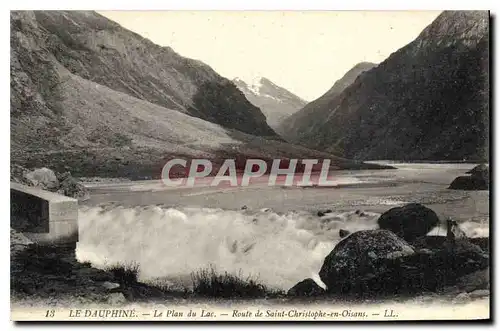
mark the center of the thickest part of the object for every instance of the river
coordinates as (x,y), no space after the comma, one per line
(278,237)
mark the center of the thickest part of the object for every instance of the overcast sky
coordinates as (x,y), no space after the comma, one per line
(304,52)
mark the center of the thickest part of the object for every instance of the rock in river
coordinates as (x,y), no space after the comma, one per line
(469,183)
(481,170)
(344,233)
(410,221)
(479,179)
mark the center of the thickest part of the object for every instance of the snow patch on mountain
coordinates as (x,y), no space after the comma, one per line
(255,85)
(274,101)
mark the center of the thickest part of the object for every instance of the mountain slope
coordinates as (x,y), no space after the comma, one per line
(315,112)
(68,122)
(428,100)
(95,48)
(274,101)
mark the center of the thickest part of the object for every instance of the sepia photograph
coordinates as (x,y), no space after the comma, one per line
(237,165)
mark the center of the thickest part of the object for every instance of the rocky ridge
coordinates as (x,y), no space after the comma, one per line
(427,101)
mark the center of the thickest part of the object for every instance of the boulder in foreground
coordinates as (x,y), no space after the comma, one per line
(377,263)
(305,288)
(356,259)
(410,221)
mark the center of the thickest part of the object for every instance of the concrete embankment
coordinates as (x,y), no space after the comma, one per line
(43,216)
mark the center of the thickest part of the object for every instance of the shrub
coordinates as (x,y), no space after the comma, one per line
(209,283)
(125,274)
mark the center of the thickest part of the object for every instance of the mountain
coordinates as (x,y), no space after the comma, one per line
(92,98)
(275,102)
(97,49)
(314,113)
(428,101)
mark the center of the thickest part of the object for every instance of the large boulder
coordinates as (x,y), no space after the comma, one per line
(479,179)
(43,178)
(470,183)
(410,221)
(357,259)
(306,288)
(378,263)
(435,269)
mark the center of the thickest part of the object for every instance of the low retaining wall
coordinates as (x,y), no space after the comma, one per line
(43,216)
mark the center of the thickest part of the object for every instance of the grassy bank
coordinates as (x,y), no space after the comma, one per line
(52,272)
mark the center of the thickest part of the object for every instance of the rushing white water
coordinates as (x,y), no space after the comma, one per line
(278,250)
